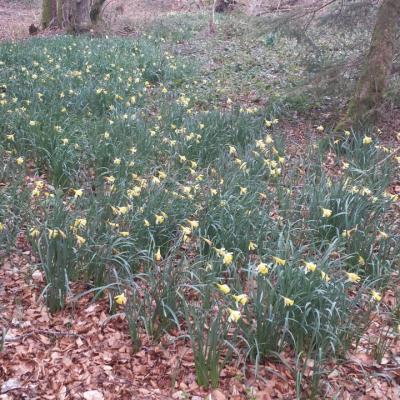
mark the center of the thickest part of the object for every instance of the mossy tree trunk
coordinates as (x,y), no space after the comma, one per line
(49,14)
(372,82)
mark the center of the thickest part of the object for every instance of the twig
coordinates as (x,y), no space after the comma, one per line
(41,332)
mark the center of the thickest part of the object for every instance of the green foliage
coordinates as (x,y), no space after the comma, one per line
(137,189)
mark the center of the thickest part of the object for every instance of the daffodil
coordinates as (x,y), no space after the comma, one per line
(224,288)
(326,213)
(320,128)
(186,230)
(159,219)
(117,161)
(241,298)
(120,299)
(146,223)
(382,235)
(234,315)
(124,234)
(78,192)
(325,277)
(228,258)
(262,269)
(352,277)
(367,140)
(80,240)
(10,137)
(377,296)
(310,266)
(287,301)
(1,227)
(279,261)
(252,246)
(33,232)
(20,160)
(361,261)
(158,256)
(193,223)
(243,190)
(53,233)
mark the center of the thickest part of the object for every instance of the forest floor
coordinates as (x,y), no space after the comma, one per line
(84,352)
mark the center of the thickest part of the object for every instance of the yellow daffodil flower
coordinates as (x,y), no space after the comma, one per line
(352,277)
(158,256)
(326,213)
(33,232)
(241,298)
(287,302)
(228,258)
(279,261)
(225,289)
(377,296)
(120,299)
(234,315)
(310,266)
(78,192)
(252,246)
(262,269)
(325,277)
(367,140)
(80,240)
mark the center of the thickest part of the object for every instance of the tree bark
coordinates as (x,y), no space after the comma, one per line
(95,11)
(76,14)
(222,5)
(49,14)
(372,82)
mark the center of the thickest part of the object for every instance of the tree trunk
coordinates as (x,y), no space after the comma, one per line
(222,5)
(76,14)
(372,83)
(95,11)
(49,14)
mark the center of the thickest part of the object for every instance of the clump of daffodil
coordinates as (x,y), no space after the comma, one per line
(224,288)
(326,212)
(120,299)
(279,261)
(234,315)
